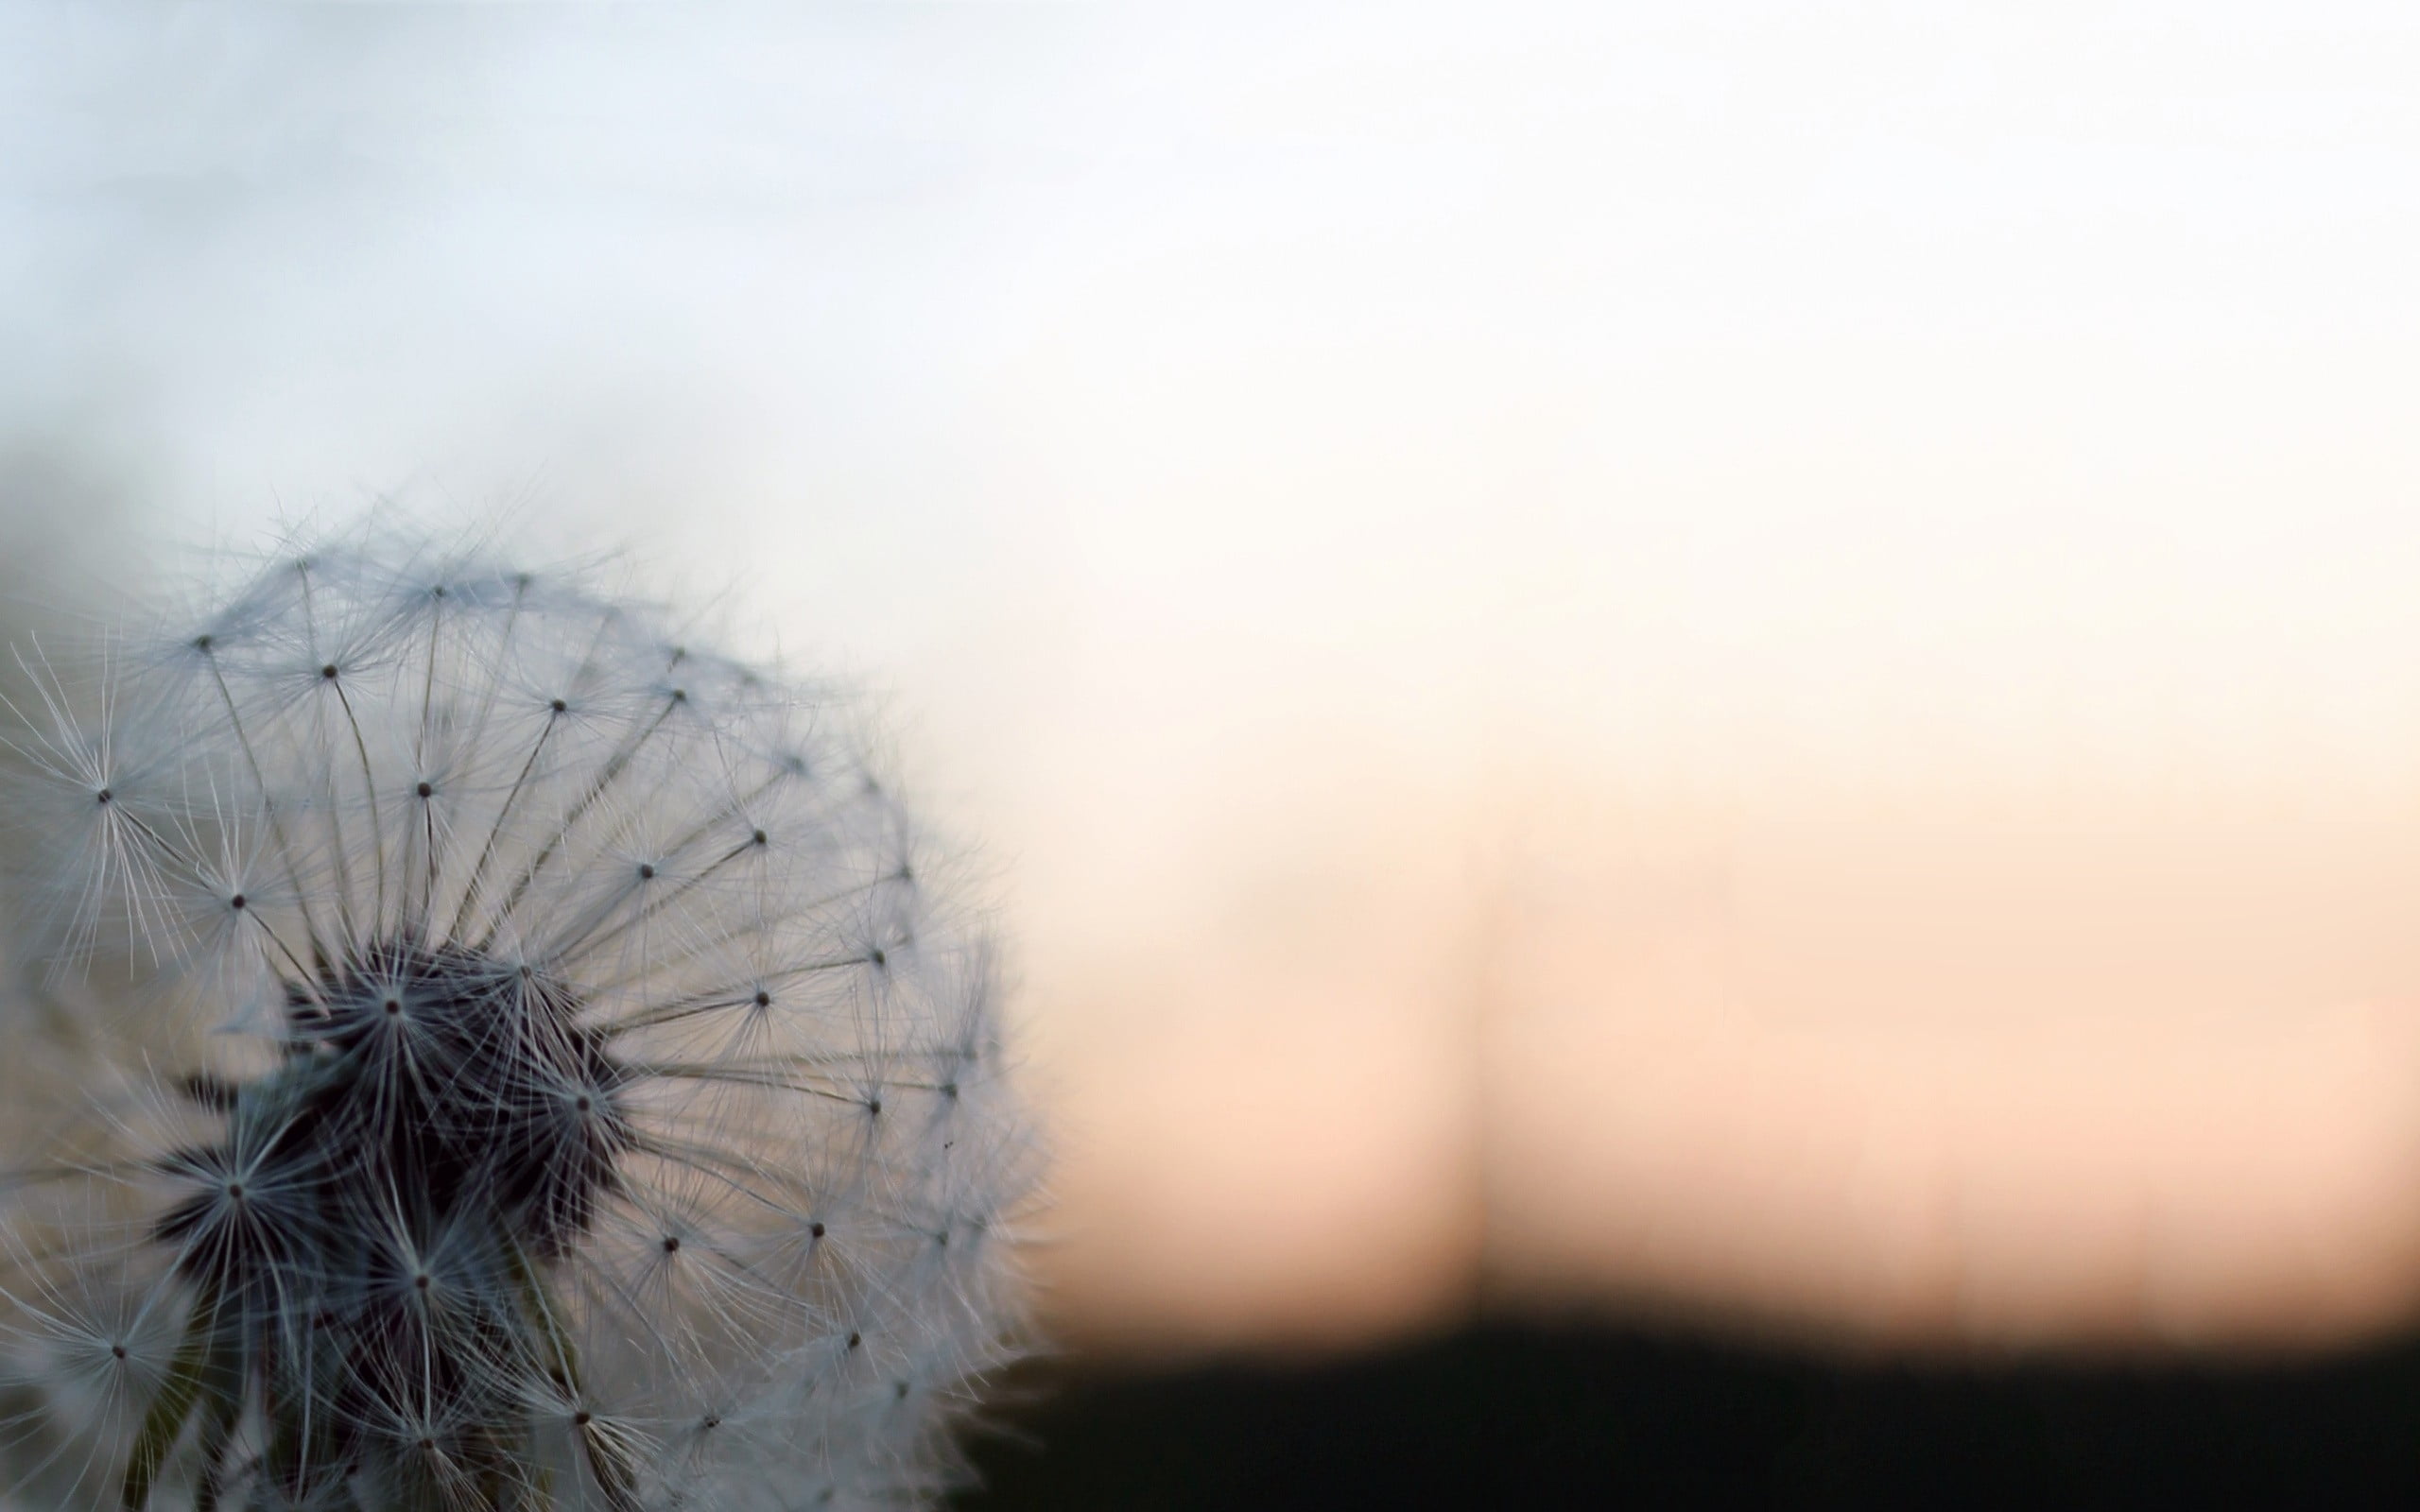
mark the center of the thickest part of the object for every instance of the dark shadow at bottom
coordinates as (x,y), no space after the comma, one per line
(1513,1417)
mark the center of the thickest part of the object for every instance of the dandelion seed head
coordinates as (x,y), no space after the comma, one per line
(540,1074)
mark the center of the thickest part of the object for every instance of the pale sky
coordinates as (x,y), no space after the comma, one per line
(1747,657)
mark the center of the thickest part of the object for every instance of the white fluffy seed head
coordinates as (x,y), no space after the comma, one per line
(523,1062)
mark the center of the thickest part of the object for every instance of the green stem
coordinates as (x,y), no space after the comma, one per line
(218,1437)
(609,1460)
(206,1356)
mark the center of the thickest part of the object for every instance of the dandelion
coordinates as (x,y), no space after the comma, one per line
(525,1063)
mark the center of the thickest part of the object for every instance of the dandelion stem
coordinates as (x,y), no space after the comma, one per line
(217,1441)
(206,1357)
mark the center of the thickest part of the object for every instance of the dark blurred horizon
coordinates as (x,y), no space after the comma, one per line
(1513,1415)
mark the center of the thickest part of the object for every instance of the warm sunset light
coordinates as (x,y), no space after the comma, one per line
(1755,664)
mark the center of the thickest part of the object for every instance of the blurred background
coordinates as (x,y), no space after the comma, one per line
(1693,710)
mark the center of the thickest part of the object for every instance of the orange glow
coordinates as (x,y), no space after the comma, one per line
(1761,661)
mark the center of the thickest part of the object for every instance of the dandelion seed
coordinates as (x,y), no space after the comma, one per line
(508,1034)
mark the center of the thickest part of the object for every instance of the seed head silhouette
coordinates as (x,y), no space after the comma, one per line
(521,1062)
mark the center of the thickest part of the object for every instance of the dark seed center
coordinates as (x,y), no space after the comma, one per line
(468,1121)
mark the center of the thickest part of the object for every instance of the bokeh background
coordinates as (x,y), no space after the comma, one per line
(1642,681)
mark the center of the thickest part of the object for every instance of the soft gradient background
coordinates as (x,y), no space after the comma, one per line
(1751,660)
